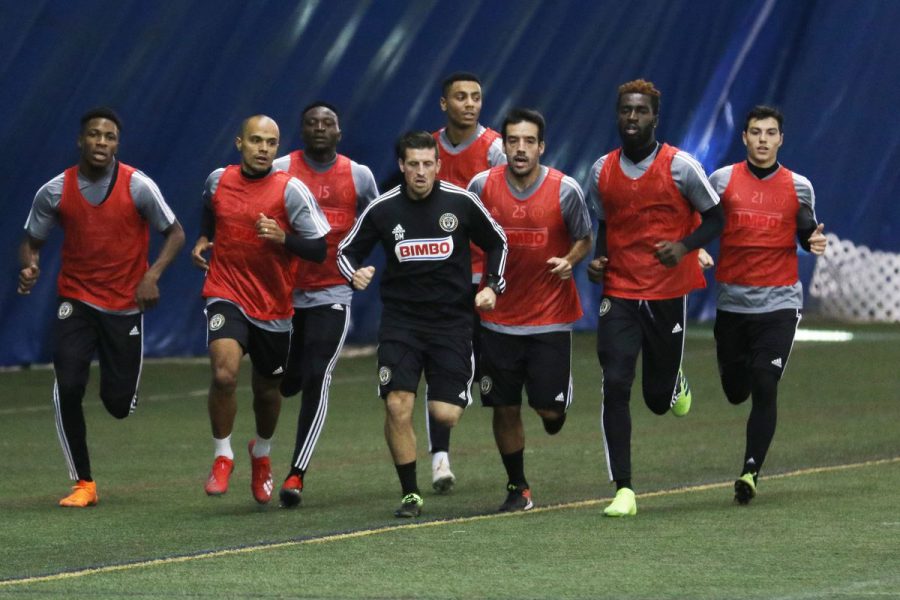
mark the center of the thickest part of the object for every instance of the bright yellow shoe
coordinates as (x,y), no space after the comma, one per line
(682,403)
(84,493)
(623,505)
(745,488)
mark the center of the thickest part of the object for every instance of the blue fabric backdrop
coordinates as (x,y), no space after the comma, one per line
(184,74)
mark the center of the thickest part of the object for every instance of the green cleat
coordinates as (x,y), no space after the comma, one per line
(745,488)
(411,506)
(623,505)
(682,404)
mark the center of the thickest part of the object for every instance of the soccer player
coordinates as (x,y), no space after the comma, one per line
(527,339)
(106,209)
(259,219)
(343,188)
(759,296)
(466,147)
(425,228)
(647,195)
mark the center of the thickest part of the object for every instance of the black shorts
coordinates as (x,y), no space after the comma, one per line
(541,363)
(757,340)
(118,341)
(403,355)
(268,350)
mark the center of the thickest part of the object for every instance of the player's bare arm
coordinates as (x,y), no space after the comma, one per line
(202,245)
(561,266)
(147,293)
(29,258)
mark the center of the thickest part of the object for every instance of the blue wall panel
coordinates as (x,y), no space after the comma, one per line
(184,74)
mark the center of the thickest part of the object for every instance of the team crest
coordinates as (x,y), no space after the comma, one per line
(384,375)
(448,222)
(216,322)
(487,384)
(65,310)
(605,305)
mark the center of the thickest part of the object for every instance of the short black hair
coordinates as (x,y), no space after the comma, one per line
(416,140)
(452,78)
(101,112)
(761,111)
(323,104)
(519,115)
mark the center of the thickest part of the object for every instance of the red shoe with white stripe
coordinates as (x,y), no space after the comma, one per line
(261,476)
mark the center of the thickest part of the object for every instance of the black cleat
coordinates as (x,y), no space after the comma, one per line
(518,499)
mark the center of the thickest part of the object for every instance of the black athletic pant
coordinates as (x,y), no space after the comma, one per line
(118,341)
(752,350)
(626,328)
(316,343)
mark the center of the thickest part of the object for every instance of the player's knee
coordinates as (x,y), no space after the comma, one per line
(765,385)
(118,404)
(735,383)
(224,379)
(659,403)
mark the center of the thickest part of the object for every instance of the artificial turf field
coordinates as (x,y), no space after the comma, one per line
(824,525)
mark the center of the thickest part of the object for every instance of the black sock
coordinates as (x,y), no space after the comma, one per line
(298,472)
(623,483)
(407,475)
(514,463)
(762,420)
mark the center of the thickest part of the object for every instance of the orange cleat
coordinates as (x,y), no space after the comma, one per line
(261,476)
(217,484)
(84,493)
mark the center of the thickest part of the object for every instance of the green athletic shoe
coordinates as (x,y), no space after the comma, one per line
(682,404)
(745,488)
(411,506)
(623,505)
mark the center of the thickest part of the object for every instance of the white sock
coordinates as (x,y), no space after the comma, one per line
(223,447)
(262,447)
(437,457)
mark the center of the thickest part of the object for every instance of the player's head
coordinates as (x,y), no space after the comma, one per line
(321,129)
(461,99)
(417,155)
(523,141)
(98,138)
(763,135)
(527,115)
(258,143)
(760,112)
(637,110)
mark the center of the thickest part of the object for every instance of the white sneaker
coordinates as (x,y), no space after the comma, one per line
(442,478)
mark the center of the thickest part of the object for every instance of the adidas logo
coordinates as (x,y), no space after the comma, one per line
(777,362)
(560,397)
(398,232)
(136,331)
(750,461)
(339,307)
(462,396)
(677,328)
(278,371)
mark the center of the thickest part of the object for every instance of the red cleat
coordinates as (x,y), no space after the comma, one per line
(291,491)
(261,476)
(217,484)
